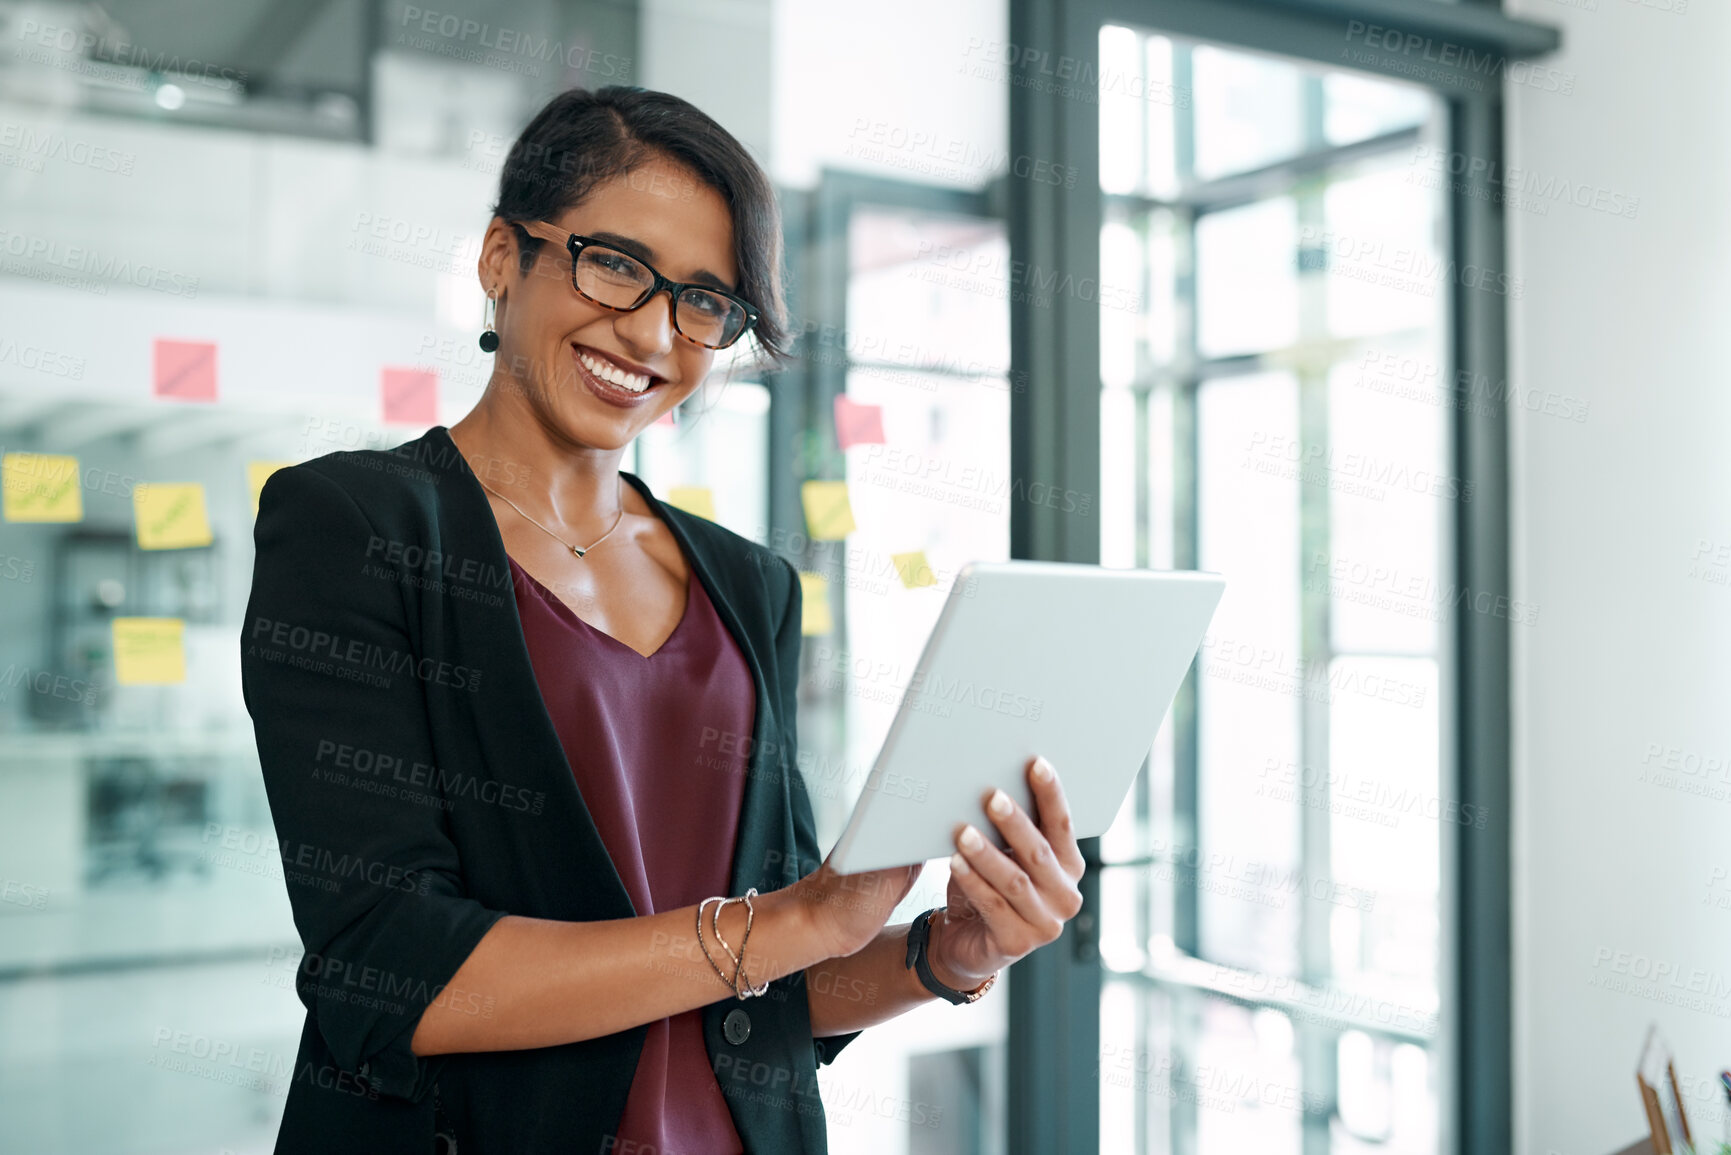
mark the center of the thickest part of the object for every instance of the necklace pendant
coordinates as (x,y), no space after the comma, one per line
(578,551)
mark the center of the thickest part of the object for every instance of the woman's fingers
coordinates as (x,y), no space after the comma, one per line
(1054,812)
(1012,892)
(1036,881)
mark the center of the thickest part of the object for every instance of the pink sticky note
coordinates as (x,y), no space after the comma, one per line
(410,396)
(858,424)
(184,370)
(665,419)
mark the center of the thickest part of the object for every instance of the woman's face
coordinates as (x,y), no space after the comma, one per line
(550,337)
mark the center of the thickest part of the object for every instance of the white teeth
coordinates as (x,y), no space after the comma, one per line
(636,382)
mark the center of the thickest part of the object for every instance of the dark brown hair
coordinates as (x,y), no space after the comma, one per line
(582,138)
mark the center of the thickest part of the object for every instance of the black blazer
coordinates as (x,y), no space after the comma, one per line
(420,793)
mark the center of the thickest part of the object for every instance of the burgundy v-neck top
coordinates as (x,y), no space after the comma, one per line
(655,743)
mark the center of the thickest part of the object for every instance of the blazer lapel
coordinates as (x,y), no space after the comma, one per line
(492,641)
(509,713)
(766,813)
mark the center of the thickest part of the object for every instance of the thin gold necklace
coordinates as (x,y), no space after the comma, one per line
(579,550)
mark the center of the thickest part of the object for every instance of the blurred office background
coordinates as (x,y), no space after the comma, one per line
(1404,315)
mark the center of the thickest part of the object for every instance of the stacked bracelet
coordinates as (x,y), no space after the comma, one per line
(738,959)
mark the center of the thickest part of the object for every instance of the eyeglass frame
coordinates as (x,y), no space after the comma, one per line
(575,243)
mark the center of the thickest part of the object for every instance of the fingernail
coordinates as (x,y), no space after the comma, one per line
(971,839)
(1000,804)
(1042,769)
(958,864)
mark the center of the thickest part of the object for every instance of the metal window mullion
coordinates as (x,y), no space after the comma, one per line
(1318,1073)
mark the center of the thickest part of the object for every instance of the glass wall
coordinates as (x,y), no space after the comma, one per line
(240,236)
(1277,413)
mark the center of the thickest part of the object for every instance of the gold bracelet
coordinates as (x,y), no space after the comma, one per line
(739,959)
(704,945)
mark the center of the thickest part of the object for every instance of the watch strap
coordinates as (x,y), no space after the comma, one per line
(919,934)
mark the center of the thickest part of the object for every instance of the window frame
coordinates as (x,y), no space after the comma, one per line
(1054,1028)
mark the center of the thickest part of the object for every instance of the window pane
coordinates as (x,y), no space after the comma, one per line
(1121,111)
(1243,1074)
(1381,568)
(1385,843)
(1388,1098)
(1249,110)
(1385,272)
(1359,107)
(1247,279)
(1249,693)
(927,290)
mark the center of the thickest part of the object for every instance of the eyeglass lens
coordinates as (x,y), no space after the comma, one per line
(619,280)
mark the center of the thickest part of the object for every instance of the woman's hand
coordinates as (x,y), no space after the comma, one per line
(846,911)
(1000,906)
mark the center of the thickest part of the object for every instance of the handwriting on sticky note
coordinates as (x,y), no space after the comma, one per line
(915,571)
(149,651)
(41,487)
(814,604)
(828,515)
(170,516)
(698,499)
(184,370)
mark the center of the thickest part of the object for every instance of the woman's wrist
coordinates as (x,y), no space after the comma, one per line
(781,940)
(937,933)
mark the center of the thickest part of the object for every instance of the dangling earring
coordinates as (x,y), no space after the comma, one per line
(489,339)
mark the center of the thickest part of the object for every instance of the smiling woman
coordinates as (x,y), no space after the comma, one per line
(547,980)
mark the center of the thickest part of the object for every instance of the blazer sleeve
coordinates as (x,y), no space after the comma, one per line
(374,882)
(787,646)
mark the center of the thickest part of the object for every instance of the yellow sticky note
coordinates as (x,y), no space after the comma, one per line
(170,516)
(814,605)
(41,487)
(149,651)
(698,499)
(915,571)
(828,515)
(257,472)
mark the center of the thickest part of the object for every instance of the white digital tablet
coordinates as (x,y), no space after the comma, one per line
(1076,662)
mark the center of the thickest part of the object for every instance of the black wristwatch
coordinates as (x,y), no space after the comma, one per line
(917,935)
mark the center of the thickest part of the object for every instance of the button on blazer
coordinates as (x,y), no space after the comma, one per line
(420,793)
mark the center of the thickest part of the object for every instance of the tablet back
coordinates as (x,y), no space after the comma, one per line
(1076,662)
